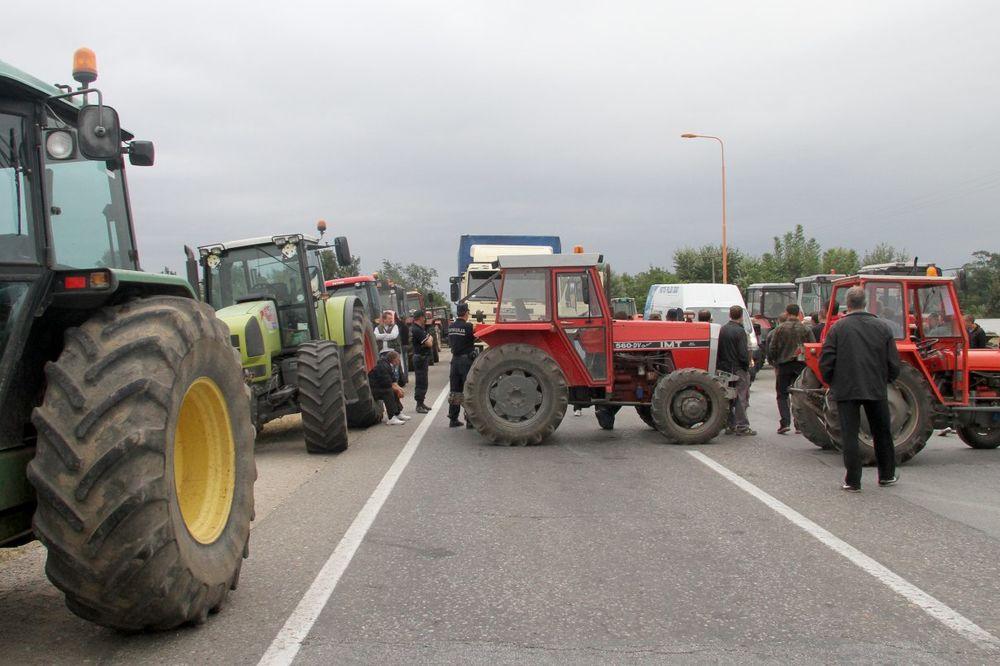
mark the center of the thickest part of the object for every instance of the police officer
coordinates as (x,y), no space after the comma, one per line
(461,342)
(423,347)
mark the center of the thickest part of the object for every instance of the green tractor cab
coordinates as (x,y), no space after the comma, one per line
(303,350)
(126,445)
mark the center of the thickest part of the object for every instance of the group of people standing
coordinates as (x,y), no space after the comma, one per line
(389,375)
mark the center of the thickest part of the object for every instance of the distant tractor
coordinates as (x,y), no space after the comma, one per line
(624,308)
(126,445)
(303,350)
(555,344)
(942,384)
(766,301)
(814,292)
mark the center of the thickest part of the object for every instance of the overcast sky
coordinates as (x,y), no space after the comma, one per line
(406,124)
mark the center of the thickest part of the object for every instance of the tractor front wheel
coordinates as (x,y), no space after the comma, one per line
(689,406)
(144,467)
(979,437)
(321,397)
(367,411)
(911,418)
(515,395)
(807,408)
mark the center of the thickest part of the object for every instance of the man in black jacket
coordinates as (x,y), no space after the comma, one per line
(785,350)
(382,379)
(734,357)
(423,347)
(858,361)
(462,343)
(977,336)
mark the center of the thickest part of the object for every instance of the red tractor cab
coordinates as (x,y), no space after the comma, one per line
(942,382)
(555,344)
(765,302)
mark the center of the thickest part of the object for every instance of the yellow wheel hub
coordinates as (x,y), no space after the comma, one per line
(204,461)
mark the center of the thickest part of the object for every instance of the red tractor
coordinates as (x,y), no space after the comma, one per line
(555,344)
(942,383)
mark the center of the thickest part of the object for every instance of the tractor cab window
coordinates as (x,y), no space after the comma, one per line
(476,280)
(524,296)
(89,217)
(262,272)
(754,301)
(885,300)
(577,296)
(17,243)
(935,314)
(774,302)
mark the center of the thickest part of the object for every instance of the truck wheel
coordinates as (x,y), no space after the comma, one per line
(689,406)
(321,397)
(646,414)
(911,416)
(515,395)
(807,409)
(978,437)
(144,466)
(367,411)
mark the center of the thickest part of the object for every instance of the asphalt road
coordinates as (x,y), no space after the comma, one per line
(596,547)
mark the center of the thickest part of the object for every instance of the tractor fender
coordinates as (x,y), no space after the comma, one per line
(253,330)
(340,318)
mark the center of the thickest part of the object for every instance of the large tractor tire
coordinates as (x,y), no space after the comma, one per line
(689,406)
(979,437)
(807,409)
(910,411)
(144,467)
(645,413)
(515,395)
(367,411)
(321,397)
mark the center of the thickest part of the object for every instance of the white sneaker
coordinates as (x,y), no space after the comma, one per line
(403,417)
(577,412)
(395,421)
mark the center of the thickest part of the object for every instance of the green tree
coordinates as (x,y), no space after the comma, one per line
(840,260)
(794,255)
(414,276)
(637,286)
(981,296)
(331,269)
(704,264)
(883,253)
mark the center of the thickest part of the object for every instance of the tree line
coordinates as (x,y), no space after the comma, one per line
(795,255)
(410,276)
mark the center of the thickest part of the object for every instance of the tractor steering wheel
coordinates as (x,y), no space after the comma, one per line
(926,346)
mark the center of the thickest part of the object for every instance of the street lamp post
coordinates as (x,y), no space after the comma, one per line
(725,254)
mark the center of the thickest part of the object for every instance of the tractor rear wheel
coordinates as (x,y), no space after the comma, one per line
(321,397)
(807,408)
(367,411)
(911,415)
(144,467)
(515,395)
(978,437)
(646,414)
(689,406)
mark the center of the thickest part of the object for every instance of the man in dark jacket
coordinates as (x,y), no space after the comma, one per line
(734,357)
(785,350)
(977,336)
(858,361)
(423,347)
(462,343)
(382,379)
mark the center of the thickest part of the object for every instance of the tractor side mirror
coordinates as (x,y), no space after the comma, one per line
(192,270)
(141,153)
(342,250)
(99,133)
(456,292)
(585,292)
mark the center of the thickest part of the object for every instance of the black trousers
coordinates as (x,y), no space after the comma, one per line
(420,364)
(879,422)
(459,371)
(392,404)
(784,377)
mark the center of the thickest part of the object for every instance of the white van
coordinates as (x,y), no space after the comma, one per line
(716,298)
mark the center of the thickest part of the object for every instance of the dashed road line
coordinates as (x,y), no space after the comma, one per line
(288,642)
(933,607)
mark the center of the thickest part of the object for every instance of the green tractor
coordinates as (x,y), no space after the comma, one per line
(126,445)
(303,350)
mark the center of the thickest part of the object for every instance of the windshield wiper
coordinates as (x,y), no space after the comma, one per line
(490,280)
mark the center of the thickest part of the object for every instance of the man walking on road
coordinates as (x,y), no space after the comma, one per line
(423,345)
(785,349)
(461,342)
(734,357)
(858,361)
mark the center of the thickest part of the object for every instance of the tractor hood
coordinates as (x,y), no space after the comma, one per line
(253,330)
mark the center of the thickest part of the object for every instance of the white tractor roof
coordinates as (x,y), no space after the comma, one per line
(260,240)
(549,260)
(772,285)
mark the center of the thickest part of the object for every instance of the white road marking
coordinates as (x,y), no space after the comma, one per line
(936,609)
(287,643)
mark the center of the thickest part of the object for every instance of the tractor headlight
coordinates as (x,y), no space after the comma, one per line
(59,145)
